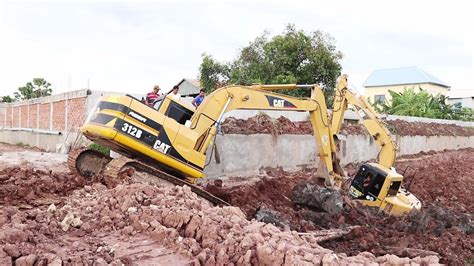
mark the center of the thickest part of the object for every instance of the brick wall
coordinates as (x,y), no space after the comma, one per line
(57,112)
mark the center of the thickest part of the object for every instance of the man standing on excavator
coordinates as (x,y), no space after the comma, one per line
(151,97)
(199,99)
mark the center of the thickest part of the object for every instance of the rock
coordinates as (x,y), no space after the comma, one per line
(132,210)
(271,216)
(26,260)
(318,198)
(53,260)
(51,208)
(14,235)
(70,220)
(11,250)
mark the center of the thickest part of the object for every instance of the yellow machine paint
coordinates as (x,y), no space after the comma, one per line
(174,137)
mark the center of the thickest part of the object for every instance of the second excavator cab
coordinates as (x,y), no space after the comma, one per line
(381,187)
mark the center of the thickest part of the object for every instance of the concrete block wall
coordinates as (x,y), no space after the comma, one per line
(243,155)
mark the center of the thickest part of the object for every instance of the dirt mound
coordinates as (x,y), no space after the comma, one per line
(30,186)
(404,128)
(444,226)
(445,178)
(264,124)
(272,192)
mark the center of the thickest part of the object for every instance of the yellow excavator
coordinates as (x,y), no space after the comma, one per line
(376,184)
(170,140)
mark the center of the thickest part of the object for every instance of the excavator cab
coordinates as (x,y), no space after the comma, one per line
(178,110)
(381,187)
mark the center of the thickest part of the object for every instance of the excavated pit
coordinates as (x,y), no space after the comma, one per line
(443,182)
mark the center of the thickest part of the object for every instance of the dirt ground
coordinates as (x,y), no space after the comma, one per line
(264,124)
(53,217)
(443,182)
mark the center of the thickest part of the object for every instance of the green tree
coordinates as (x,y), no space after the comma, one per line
(39,87)
(7,99)
(293,56)
(212,73)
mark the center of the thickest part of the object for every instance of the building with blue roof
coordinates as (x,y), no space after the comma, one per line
(381,81)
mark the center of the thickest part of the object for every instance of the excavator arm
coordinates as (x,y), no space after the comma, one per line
(260,97)
(371,121)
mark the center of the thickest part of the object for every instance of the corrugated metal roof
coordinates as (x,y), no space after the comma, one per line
(194,82)
(401,76)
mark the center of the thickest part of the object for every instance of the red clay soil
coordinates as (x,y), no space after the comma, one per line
(30,186)
(264,124)
(444,184)
(272,192)
(143,224)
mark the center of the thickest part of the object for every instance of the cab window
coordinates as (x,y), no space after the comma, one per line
(178,113)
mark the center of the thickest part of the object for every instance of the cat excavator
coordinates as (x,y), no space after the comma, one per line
(376,184)
(171,139)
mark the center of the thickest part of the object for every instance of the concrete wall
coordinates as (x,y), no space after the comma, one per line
(465,102)
(242,155)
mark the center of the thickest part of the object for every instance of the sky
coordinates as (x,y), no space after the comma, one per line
(129,46)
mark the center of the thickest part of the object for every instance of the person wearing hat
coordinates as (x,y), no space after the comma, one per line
(151,97)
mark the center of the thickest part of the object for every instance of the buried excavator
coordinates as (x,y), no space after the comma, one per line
(170,140)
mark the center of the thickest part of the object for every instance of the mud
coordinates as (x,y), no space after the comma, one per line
(443,182)
(264,124)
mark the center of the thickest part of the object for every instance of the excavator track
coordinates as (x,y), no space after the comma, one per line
(90,163)
(120,168)
(87,162)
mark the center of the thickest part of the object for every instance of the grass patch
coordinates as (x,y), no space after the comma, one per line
(100,148)
(21,144)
